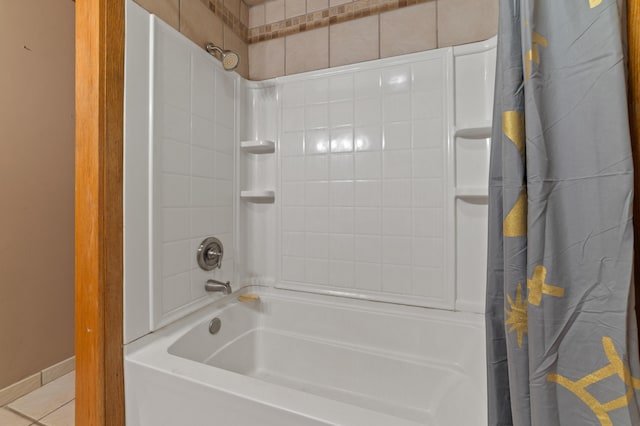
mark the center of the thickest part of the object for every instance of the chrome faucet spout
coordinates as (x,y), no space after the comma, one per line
(218,286)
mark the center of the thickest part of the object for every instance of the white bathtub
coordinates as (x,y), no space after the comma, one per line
(302,359)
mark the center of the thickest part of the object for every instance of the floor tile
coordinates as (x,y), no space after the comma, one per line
(8,418)
(63,416)
(47,399)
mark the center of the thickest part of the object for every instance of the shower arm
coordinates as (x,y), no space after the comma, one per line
(211,48)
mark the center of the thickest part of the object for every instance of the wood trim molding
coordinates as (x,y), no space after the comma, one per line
(98,212)
(633,40)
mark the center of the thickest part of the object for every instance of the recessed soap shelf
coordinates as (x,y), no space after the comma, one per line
(258,196)
(474,131)
(258,146)
(476,194)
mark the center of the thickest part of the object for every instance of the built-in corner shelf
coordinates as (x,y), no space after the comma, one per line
(474,131)
(473,194)
(258,146)
(258,196)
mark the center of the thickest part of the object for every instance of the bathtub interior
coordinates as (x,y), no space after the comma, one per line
(407,366)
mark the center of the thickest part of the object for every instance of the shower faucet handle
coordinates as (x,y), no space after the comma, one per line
(209,254)
(212,253)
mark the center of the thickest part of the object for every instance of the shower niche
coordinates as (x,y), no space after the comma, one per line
(257,149)
(257,155)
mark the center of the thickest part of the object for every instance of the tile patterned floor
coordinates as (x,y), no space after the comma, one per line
(51,405)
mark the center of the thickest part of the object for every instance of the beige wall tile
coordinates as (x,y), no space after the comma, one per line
(244,13)
(273,11)
(315,5)
(307,51)
(233,6)
(256,16)
(167,10)
(233,42)
(294,8)
(339,2)
(466,21)
(266,59)
(354,41)
(407,30)
(198,23)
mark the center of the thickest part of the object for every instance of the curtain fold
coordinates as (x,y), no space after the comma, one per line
(561,330)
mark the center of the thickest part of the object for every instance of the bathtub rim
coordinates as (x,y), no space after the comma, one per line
(152,352)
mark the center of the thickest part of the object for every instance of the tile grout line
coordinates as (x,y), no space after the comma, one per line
(379,35)
(53,411)
(39,421)
(437,26)
(22,415)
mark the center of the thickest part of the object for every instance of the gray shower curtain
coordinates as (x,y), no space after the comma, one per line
(561,330)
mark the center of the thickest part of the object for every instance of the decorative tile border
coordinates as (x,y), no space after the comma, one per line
(228,18)
(326,17)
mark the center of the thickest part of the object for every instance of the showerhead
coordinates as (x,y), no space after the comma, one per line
(229,59)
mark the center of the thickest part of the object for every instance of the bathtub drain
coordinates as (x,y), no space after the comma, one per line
(214,325)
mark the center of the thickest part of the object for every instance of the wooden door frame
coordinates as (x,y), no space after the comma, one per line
(99,195)
(99,212)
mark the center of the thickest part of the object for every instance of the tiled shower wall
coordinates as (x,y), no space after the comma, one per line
(282,37)
(363,178)
(292,36)
(379,177)
(178,172)
(193,123)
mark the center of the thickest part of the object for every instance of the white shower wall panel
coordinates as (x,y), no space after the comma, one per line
(379,177)
(363,181)
(381,184)
(136,174)
(193,155)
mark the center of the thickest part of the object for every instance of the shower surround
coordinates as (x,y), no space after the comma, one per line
(352,201)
